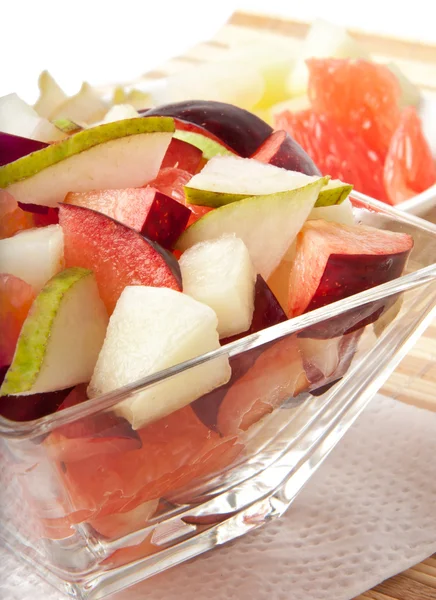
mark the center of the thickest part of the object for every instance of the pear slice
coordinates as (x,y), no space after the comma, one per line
(114,155)
(226,179)
(266,224)
(33,255)
(61,337)
(152,329)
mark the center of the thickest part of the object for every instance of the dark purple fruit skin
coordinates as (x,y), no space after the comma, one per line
(239,129)
(13,147)
(267,312)
(349,274)
(282,151)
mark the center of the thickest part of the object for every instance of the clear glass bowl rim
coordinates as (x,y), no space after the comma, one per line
(425,275)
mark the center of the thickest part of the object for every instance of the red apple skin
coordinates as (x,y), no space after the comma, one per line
(267,312)
(181,155)
(118,256)
(155,215)
(280,150)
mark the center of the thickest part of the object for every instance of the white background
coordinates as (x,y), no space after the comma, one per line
(109,41)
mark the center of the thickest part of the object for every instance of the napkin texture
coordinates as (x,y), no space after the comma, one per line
(368,513)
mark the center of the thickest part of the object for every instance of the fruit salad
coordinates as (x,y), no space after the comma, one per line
(137,244)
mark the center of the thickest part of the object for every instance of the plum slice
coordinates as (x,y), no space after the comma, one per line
(155,215)
(181,155)
(118,255)
(335,261)
(13,147)
(239,129)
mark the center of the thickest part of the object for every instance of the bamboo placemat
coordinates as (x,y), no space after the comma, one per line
(414,380)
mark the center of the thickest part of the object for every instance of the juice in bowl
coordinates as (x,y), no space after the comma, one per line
(194,316)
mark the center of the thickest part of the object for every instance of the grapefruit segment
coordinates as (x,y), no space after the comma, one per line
(175,450)
(16,298)
(357,94)
(409,167)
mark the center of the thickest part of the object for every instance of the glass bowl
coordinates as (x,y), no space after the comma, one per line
(96,507)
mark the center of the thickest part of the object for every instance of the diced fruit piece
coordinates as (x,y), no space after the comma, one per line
(266,224)
(156,216)
(84,107)
(323,39)
(16,297)
(208,145)
(60,338)
(171,182)
(236,83)
(239,129)
(277,375)
(118,255)
(12,218)
(51,96)
(358,94)
(34,255)
(410,93)
(226,179)
(335,261)
(182,155)
(117,525)
(327,361)
(267,312)
(336,150)
(152,329)
(18,118)
(337,213)
(120,112)
(13,147)
(90,436)
(175,450)
(280,150)
(220,274)
(409,167)
(86,160)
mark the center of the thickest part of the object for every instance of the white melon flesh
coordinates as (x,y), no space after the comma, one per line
(266,224)
(33,255)
(220,273)
(61,337)
(152,329)
(226,179)
(18,118)
(338,213)
(129,161)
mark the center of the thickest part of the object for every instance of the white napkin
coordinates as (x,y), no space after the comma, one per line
(367,514)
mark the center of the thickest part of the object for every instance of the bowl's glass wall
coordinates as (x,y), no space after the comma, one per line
(89,496)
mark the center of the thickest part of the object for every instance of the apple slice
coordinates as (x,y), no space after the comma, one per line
(226,179)
(85,161)
(60,338)
(156,216)
(220,273)
(266,224)
(152,329)
(118,255)
(33,255)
